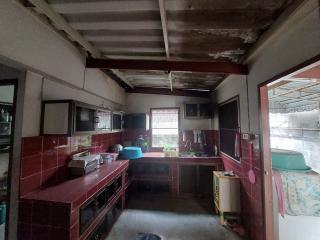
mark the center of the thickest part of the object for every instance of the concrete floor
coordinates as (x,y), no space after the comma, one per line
(172,219)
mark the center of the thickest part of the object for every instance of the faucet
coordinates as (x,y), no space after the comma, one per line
(188,142)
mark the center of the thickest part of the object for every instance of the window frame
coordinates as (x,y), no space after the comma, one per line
(238,130)
(150,124)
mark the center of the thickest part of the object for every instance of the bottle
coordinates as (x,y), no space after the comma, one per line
(215,150)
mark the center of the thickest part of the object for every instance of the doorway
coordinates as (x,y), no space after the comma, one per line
(8,89)
(290,123)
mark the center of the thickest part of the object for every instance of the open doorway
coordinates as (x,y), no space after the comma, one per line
(290,118)
(7,116)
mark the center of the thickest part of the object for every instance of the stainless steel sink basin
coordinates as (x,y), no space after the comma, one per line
(193,154)
(187,154)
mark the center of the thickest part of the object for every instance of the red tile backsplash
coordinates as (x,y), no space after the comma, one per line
(31,146)
(251,194)
(49,177)
(44,159)
(31,165)
(30,184)
(211,139)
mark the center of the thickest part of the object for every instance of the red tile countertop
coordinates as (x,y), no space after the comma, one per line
(77,190)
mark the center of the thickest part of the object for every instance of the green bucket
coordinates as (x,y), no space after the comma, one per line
(288,161)
(3,211)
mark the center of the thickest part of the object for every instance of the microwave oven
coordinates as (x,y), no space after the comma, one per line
(69,117)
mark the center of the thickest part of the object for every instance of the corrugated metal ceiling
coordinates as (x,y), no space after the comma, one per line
(198,30)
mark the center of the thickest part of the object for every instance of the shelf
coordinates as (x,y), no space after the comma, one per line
(100,216)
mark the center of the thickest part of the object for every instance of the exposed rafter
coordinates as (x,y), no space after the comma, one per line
(294,90)
(162,8)
(208,67)
(105,6)
(60,22)
(278,84)
(166,91)
(170,81)
(163,15)
(122,77)
(185,31)
(296,98)
(309,93)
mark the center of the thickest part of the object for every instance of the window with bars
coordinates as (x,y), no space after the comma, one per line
(165,127)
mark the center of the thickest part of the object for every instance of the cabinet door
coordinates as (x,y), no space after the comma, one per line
(188,179)
(56,118)
(191,110)
(116,121)
(161,169)
(85,119)
(205,179)
(205,110)
(136,121)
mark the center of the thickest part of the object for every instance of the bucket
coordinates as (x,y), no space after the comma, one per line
(3,210)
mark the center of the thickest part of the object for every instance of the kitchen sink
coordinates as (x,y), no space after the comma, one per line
(187,154)
(193,154)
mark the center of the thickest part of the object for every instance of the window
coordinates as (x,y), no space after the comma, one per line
(229,127)
(165,127)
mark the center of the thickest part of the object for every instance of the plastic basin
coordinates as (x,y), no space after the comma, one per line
(288,160)
(131,153)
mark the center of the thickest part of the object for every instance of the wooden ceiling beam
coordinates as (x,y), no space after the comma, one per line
(162,8)
(104,6)
(166,91)
(163,15)
(185,66)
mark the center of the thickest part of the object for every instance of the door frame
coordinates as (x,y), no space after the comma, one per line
(265,137)
(14,83)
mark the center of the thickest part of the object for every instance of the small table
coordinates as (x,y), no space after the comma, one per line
(226,193)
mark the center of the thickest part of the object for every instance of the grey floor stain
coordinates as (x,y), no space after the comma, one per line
(171,219)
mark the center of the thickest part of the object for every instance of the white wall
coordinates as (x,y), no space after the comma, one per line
(32,105)
(34,45)
(296,42)
(141,103)
(56,69)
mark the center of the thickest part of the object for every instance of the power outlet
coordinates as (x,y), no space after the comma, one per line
(245,136)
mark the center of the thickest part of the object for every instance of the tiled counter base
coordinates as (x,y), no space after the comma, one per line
(82,208)
(174,176)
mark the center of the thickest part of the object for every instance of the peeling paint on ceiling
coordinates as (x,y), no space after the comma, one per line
(201,30)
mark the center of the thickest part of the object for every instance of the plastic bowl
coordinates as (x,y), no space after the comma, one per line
(131,153)
(288,160)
